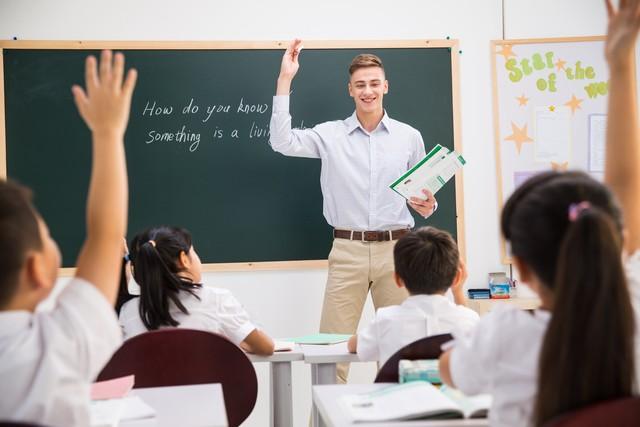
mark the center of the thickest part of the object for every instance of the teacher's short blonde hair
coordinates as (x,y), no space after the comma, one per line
(365,60)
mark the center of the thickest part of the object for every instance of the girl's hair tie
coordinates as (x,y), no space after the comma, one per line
(575,209)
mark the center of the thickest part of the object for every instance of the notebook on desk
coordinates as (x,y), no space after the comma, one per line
(320,339)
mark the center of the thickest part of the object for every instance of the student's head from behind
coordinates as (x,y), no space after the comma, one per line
(367,83)
(566,236)
(547,212)
(164,263)
(426,261)
(172,246)
(30,257)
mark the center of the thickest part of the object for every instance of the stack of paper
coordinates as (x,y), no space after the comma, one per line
(283,345)
(431,173)
(110,403)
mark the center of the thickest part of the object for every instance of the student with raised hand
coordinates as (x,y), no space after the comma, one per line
(570,245)
(427,264)
(48,359)
(169,273)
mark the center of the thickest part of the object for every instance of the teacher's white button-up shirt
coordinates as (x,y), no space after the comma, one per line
(357,166)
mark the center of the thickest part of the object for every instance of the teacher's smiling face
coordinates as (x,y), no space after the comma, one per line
(367,87)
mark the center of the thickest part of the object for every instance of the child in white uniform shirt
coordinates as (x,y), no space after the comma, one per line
(427,263)
(48,359)
(567,241)
(168,270)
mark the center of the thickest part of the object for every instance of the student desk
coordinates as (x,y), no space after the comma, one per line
(326,399)
(280,397)
(185,406)
(323,360)
(483,306)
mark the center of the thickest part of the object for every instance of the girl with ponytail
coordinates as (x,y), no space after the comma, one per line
(570,245)
(168,271)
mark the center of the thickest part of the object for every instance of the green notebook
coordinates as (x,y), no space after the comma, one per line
(320,339)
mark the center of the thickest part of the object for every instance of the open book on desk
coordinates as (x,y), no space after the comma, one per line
(431,173)
(413,400)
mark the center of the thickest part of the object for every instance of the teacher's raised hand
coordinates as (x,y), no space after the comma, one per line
(289,67)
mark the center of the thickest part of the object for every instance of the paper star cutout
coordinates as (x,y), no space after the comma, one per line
(574,103)
(522,100)
(559,167)
(552,108)
(507,51)
(560,64)
(519,136)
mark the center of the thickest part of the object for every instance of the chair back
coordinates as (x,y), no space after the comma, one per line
(177,356)
(424,348)
(623,412)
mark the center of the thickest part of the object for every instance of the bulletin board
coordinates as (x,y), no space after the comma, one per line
(549,105)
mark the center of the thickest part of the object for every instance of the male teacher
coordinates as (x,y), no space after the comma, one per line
(361,156)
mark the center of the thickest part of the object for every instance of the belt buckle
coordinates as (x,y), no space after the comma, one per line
(371,236)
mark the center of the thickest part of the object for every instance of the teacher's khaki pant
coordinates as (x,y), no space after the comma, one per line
(355,268)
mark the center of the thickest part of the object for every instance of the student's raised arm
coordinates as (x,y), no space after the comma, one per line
(622,167)
(104,106)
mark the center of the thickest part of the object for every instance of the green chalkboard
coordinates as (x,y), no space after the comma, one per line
(242,201)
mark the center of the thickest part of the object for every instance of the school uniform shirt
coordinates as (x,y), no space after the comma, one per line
(357,166)
(49,359)
(417,317)
(216,310)
(500,356)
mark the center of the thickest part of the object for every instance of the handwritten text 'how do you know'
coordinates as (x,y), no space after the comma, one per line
(184,135)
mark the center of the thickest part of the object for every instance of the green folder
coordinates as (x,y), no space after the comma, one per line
(320,339)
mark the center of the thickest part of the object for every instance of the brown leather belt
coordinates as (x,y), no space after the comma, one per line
(370,236)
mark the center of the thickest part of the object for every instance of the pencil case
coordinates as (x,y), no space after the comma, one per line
(499,290)
(419,370)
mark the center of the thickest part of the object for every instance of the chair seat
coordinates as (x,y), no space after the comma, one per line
(619,413)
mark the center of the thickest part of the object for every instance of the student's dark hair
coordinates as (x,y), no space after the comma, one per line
(567,228)
(155,255)
(123,291)
(19,234)
(426,260)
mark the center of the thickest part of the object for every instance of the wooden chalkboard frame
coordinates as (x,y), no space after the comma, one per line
(506,259)
(452,45)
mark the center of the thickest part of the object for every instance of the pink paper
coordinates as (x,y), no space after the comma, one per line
(112,389)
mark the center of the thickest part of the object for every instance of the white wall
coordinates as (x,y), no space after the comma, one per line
(288,303)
